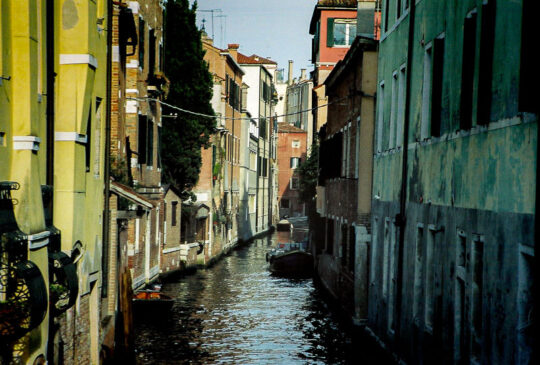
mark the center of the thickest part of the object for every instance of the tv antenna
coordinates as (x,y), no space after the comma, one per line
(211,11)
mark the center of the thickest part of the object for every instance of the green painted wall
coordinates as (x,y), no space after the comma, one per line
(489,168)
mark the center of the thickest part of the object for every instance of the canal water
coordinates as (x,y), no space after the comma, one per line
(237,313)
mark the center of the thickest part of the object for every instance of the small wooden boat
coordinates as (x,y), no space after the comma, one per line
(152,302)
(284,225)
(290,259)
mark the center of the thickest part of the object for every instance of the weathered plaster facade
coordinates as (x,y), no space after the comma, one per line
(344,192)
(455,284)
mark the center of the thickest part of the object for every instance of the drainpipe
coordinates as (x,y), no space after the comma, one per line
(400,218)
(49,39)
(50,91)
(106,165)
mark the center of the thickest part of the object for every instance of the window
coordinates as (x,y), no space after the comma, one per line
(385,12)
(150,144)
(393,111)
(432,89)
(426,92)
(141,146)
(161,57)
(344,156)
(344,243)
(357,149)
(477,293)
(151,53)
(174,211)
(529,76)
(262,128)
(437,87)
(97,137)
(429,282)
(87,147)
(418,272)
(295,143)
(467,71)
(460,314)
(341,32)
(373,277)
(295,162)
(295,183)
(265,166)
(380,117)
(329,236)
(252,203)
(159,147)
(392,287)
(400,107)
(351,255)
(401,7)
(525,296)
(284,203)
(142,30)
(386,244)
(485,72)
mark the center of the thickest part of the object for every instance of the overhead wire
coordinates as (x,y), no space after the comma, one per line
(229,118)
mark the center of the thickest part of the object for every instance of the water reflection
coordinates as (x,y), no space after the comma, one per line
(236,313)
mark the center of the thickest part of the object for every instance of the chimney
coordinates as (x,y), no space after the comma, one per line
(303,74)
(290,79)
(233,50)
(365,19)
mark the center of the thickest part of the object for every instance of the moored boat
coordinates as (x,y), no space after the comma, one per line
(290,259)
(284,226)
(152,302)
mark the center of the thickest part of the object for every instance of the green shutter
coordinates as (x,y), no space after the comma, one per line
(330,32)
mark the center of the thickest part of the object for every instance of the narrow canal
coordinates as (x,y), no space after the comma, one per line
(237,313)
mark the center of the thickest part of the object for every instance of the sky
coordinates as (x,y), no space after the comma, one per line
(276,29)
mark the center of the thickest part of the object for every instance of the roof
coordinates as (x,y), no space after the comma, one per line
(254,60)
(130,194)
(340,3)
(330,5)
(289,128)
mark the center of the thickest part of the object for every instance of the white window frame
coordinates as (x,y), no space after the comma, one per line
(349,22)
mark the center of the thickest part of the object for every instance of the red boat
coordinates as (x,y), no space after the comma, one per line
(152,302)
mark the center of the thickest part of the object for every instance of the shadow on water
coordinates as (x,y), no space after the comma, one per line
(237,313)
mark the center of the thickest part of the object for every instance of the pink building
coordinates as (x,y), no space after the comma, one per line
(292,148)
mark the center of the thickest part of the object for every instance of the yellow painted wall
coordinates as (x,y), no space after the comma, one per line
(22,115)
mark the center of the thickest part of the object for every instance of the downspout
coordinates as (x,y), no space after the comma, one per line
(51,75)
(106,165)
(400,218)
(49,39)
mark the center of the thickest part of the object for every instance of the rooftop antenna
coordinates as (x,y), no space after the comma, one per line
(212,12)
(221,28)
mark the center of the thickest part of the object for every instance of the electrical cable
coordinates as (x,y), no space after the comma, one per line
(229,118)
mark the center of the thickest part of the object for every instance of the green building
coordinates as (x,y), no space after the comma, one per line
(454,178)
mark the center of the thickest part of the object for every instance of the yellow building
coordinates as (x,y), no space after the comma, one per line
(52,140)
